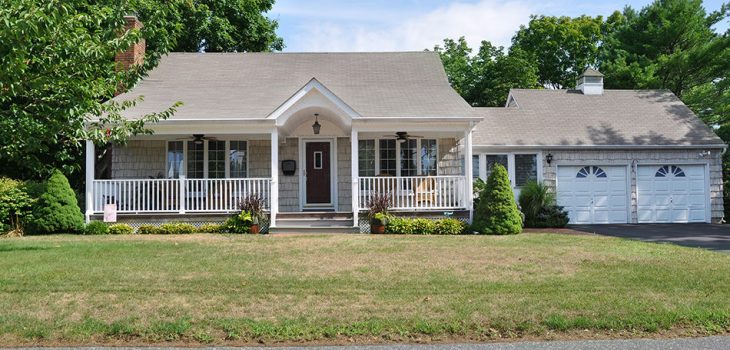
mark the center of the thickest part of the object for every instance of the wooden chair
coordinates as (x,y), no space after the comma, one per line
(426,191)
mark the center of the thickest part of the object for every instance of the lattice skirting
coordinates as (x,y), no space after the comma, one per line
(196,220)
(462,215)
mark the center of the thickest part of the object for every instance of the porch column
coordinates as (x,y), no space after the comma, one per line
(355,166)
(468,191)
(90,168)
(274,195)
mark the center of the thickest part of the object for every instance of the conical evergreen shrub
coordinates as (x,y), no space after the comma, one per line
(497,212)
(57,210)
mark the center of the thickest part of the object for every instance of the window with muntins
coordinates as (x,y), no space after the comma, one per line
(525,168)
(366,157)
(493,159)
(408,158)
(216,159)
(429,157)
(196,160)
(175,159)
(387,157)
(238,158)
(475,166)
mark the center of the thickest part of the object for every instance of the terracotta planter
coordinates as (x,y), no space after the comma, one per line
(377,229)
(254,229)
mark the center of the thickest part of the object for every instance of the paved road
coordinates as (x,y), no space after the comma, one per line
(708,236)
(709,343)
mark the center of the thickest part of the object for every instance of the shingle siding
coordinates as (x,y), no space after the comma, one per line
(627,157)
(139,159)
(289,185)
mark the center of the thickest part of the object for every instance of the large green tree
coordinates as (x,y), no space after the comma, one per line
(562,47)
(484,79)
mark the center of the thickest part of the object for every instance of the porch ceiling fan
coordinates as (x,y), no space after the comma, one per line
(198,138)
(403,136)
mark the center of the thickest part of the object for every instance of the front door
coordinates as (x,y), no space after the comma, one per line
(319,189)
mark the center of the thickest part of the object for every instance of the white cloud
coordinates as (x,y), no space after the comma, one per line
(491,20)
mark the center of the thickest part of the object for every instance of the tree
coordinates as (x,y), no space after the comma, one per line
(562,47)
(484,80)
(497,211)
(57,210)
(228,25)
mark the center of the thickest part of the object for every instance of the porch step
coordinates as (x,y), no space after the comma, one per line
(314,222)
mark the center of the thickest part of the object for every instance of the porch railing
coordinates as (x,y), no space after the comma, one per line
(415,192)
(177,195)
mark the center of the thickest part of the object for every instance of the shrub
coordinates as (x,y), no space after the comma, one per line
(120,229)
(240,223)
(538,205)
(96,228)
(477,189)
(423,226)
(497,212)
(449,226)
(211,228)
(399,226)
(16,206)
(149,230)
(179,228)
(253,204)
(57,210)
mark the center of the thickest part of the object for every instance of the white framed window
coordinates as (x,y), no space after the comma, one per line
(318,160)
(238,159)
(175,159)
(409,158)
(525,169)
(429,157)
(216,159)
(195,160)
(521,167)
(366,157)
(493,159)
(475,166)
(208,159)
(388,157)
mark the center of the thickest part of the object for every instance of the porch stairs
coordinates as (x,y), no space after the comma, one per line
(314,222)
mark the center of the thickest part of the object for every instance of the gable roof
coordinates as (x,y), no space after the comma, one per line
(253,85)
(616,118)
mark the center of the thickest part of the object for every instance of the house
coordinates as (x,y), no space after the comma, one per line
(611,156)
(318,135)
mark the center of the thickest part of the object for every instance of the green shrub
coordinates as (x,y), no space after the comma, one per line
(497,212)
(477,188)
(211,228)
(179,228)
(399,226)
(120,229)
(149,230)
(240,223)
(16,206)
(538,205)
(449,226)
(96,228)
(57,210)
(423,226)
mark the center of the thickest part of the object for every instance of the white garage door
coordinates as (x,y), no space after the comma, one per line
(593,194)
(671,193)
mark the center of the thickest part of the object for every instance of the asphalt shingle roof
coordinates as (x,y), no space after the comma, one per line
(569,118)
(252,85)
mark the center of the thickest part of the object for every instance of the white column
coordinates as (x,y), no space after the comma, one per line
(274,176)
(90,169)
(354,173)
(468,192)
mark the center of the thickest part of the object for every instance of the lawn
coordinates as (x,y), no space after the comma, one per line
(65,290)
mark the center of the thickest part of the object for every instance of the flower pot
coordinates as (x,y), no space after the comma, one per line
(377,229)
(254,229)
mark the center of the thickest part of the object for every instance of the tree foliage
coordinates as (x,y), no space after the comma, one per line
(484,79)
(497,211)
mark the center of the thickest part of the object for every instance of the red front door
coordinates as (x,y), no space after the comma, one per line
(318,173)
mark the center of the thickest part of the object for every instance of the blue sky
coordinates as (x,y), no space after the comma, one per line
(404,25)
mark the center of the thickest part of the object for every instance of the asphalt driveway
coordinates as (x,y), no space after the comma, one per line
(708,236)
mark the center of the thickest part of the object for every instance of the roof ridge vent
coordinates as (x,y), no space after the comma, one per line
(590,82)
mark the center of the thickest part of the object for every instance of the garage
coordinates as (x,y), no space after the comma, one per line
(672,193)
(594,194)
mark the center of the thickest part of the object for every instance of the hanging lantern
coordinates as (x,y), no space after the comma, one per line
(316,126)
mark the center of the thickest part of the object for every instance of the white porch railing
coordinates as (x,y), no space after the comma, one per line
(415,192)
(177,195)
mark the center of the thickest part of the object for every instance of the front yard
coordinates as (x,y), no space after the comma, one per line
(65,290)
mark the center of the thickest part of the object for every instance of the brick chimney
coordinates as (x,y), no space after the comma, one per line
(134,55)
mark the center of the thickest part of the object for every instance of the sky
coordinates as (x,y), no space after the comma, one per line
(414,25)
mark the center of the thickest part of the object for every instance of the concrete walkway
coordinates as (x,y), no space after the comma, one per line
(708,343)
(707,236)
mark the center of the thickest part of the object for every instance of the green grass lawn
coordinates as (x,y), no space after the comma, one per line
(330,288)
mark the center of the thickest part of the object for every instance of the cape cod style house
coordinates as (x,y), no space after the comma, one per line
(317,135)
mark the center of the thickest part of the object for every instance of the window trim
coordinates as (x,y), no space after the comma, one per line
(228,159)
(184,170)
(511,168)
(398,157)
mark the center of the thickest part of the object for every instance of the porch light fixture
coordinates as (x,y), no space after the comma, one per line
(316,126)
(549,158)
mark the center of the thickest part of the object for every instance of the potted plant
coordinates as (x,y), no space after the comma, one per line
(378,212)
(254,206)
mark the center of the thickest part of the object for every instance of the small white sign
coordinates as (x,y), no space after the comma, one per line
(110,212)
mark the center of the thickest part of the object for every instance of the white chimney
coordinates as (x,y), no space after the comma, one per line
(590,82)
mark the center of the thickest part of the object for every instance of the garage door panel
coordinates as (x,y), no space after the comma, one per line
(671,193)
(593,199)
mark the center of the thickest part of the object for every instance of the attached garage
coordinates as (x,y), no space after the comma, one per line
(672,193)
(594,194)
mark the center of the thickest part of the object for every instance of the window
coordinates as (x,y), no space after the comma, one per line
(216,159)
(238,158)
(493,159)
(666,170)
(588,170)
(318,160)
(525,168)
(195,160)
(366,157)
(387,157)
(408,158)
(475,166)
(429,160)
(174,159)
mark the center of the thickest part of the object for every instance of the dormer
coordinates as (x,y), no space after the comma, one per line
(590,82)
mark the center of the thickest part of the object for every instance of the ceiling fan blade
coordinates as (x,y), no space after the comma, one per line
(210,138)
(184,138)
